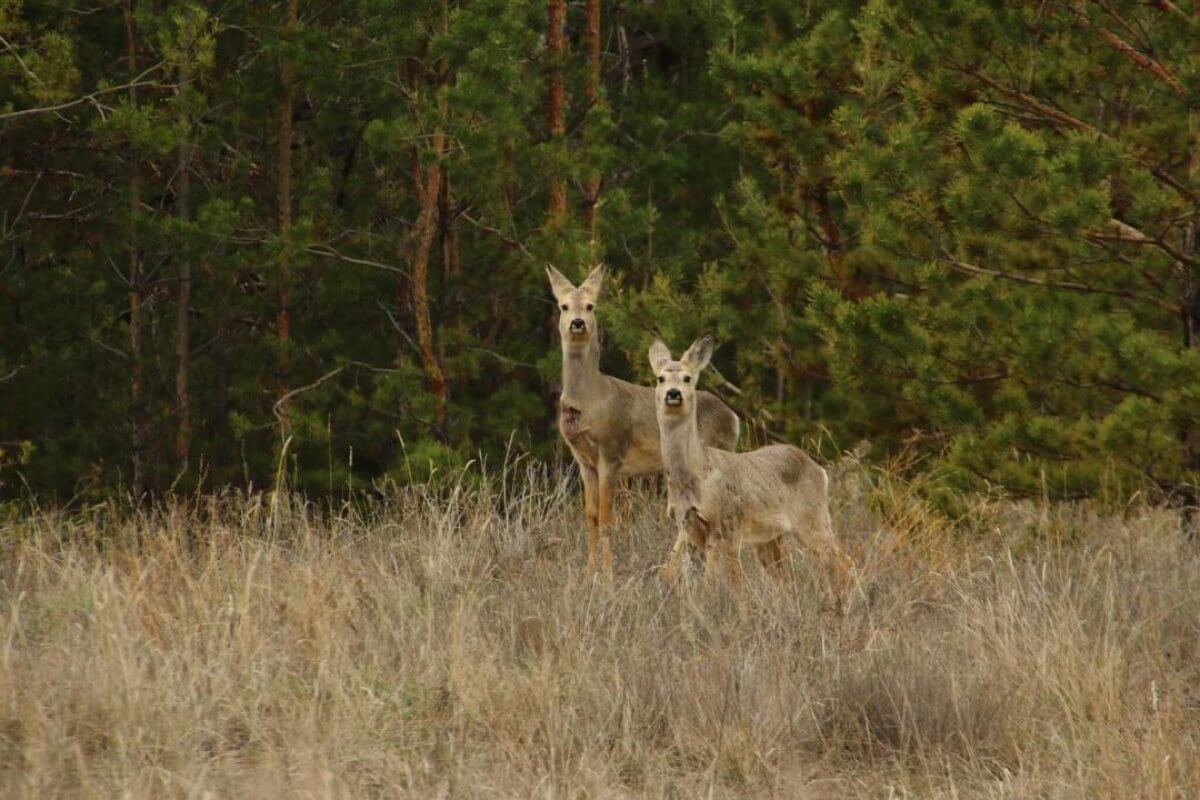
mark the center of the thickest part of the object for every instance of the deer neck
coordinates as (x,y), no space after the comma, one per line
(684,460)
(581,375)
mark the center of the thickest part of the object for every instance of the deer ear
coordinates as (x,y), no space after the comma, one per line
(559,285)
(697,356)
(591,284)
(659,355)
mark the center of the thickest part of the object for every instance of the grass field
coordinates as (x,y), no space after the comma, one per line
(446,644)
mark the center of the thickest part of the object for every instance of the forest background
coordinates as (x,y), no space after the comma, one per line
(963,231)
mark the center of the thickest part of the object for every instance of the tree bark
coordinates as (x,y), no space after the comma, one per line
(428,189)
(183,210)
(283,316)
(591,94)
(1191,322)
(556,125)
(137,418)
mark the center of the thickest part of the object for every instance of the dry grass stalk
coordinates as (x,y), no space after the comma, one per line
(434,645)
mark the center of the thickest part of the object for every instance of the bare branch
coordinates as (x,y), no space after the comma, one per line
(1060,117)
(24,67)
(89,98)
(1139,58)
(499,234)
(328,252)
(121,354)
(1065,286)
(1168,7)
(1124,232)
(398,327)
(286,396)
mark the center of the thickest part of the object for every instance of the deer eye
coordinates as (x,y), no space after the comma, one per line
(590,306)
(661,379)
(564,307)
(687,378)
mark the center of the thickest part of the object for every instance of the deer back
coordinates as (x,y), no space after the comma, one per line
(778,486)
(621,424)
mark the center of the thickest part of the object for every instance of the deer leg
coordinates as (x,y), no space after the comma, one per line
(715,547)
(836,566)
(832,560)
(591,511)
(626,485)
(669,572)
(732,563)
(712,562)
(692,536)
(771,556)
(608,473)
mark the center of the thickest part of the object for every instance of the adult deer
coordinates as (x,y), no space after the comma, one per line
(608,423)
(721,501)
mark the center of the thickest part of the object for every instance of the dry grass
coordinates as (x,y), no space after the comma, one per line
(444,644)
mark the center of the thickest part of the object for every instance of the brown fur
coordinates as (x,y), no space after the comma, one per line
(608,423)
(722,501)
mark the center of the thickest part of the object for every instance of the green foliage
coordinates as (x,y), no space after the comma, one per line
(966,230)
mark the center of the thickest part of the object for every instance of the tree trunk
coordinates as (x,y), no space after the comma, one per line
(1191,325)
(429,190)
(1190,433)
(137,419)
(183,210)
(283,316)
(591,93)
(556,125)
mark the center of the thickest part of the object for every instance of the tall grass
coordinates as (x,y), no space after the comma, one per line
(446,643)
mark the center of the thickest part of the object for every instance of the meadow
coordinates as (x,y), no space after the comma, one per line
(444,642)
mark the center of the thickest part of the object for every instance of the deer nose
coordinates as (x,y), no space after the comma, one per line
(577,325)
(673,397)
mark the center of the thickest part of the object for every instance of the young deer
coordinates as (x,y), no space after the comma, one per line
(608,423)
(721,501)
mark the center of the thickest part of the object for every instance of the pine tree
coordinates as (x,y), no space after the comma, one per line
(1034,223)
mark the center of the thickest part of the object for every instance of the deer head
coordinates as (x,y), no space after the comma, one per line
(576,307)
(675,390)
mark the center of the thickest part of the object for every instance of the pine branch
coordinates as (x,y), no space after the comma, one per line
(24,67)
(1139,58)
(137,83)
(1168,7)
(1060,117)
(1033,104)
(1127,233)
(1065,286)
